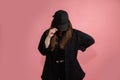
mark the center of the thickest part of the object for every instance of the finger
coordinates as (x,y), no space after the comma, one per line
(52,32)
(55,29)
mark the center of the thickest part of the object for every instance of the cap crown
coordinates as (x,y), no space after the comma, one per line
(61,19)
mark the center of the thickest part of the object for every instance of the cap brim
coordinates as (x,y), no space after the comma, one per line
(63,27)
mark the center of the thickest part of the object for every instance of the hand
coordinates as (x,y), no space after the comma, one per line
(52,32)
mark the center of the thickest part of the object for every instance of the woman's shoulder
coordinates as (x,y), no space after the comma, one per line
(80,33)
(45,32)
(76,31)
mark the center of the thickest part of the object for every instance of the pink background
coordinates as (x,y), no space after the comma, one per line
(22,23)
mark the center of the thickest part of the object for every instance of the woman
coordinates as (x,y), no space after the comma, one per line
(60,44)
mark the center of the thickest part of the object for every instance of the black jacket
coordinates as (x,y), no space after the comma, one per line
(73,71)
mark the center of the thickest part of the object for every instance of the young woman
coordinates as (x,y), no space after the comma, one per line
(60,44)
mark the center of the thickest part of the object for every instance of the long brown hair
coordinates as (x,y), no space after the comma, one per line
(65,37)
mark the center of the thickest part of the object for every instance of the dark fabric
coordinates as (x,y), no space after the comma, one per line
(59,71)
(73,71)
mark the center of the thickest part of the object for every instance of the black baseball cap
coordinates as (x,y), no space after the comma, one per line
(61,20)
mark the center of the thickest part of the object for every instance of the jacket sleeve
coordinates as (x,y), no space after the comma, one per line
(84,40)
(41,47)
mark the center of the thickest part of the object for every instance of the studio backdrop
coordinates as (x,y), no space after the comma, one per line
(22,23)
